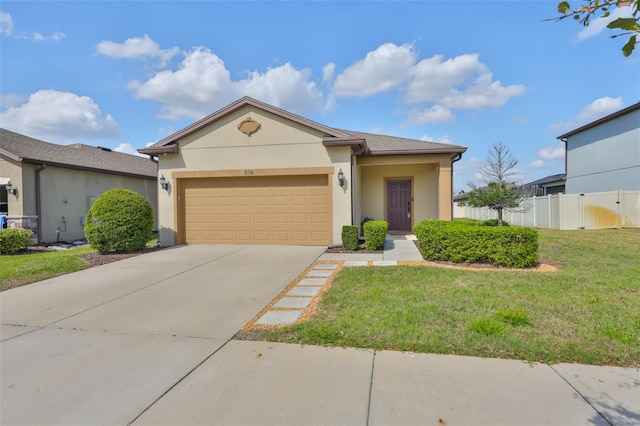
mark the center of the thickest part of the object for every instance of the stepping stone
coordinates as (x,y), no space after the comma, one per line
(304,291)
(293,302)
(313,281)
(279,317)
(325,266)
(350,263)
(317,273)
(385,262)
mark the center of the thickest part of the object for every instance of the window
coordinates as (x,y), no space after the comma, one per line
(4,204)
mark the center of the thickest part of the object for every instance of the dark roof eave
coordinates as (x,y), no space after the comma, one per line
(166,149)
(602,120)
(420,151)
(86,169)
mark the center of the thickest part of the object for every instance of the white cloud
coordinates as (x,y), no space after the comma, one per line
(7,28)
(552,152)
(202,84)
(537,164)
(459,83)
(442,139)
(60,117)
(327,72)
(137,48)
(127,148)
(57,36)
(599,108)
(6,24)
(596,26)
(435,114)
(381,70)
(11,99)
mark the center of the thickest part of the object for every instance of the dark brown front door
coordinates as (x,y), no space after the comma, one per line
(399,205)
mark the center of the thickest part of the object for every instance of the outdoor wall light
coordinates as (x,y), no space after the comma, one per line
(10,189)
(163,183)
(340,178)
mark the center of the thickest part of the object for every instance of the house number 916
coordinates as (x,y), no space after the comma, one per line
(248,172)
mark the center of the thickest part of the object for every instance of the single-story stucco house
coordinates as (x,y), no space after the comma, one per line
(49,188)
(252,173)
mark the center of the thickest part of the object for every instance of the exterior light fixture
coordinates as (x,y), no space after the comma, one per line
(163,183)
(340,178)
(10,189)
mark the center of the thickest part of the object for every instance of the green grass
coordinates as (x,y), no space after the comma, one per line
(587,312)
(20,269)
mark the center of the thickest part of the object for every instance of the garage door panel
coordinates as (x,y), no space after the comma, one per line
(263,210)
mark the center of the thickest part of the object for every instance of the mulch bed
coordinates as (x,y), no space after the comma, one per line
(93,259)
(361,249)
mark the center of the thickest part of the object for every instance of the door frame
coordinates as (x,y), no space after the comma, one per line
(386,201)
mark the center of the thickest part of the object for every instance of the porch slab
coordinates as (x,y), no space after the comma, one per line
(354,263)
(293,302)
(330,266)
(279,317)
(385,263)
(351,256)
(313,281)
(304,291)
(319,273)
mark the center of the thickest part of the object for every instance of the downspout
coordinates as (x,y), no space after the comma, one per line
(38,202)
(457,157)
(566,147)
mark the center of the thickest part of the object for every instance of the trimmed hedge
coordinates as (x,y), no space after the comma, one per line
(13,240)
(375,232)
(458,242)
(350,237)
(119,220)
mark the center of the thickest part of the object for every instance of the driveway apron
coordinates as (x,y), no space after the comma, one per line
(101,345)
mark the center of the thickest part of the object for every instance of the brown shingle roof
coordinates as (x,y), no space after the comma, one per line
(78,156)
(368,143)
(387,145)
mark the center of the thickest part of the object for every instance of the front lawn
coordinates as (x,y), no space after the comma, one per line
(20,269)
(587,312)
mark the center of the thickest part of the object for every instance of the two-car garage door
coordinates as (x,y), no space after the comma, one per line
(258,210)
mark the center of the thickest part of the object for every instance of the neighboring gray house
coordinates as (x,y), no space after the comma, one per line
(548,185)
(604,155)
(49,188)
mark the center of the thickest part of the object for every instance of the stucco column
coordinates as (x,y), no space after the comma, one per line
(444,191)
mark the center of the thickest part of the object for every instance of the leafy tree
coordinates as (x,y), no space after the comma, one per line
(590,9)
(501,192)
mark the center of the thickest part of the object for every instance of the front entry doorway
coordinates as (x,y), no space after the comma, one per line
(399,205)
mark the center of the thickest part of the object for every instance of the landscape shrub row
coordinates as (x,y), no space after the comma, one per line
(464,243)
(375,232)
(12,240)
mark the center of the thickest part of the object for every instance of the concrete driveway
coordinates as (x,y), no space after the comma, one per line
(101,345)
(147,341)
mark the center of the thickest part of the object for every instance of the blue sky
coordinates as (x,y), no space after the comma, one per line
(126,74)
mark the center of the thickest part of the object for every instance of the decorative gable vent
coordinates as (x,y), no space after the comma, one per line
(249,126)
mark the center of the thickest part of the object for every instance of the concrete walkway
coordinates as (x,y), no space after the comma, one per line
(290,305)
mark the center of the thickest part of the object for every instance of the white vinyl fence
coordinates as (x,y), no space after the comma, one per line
(614,209)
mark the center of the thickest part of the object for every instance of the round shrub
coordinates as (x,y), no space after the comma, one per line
(13,240)
(119,220)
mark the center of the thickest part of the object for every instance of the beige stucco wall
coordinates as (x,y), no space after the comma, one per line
(424,187)
(279,144)
(66,196)
(10,171)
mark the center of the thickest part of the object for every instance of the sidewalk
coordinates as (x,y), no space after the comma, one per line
(260,383)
